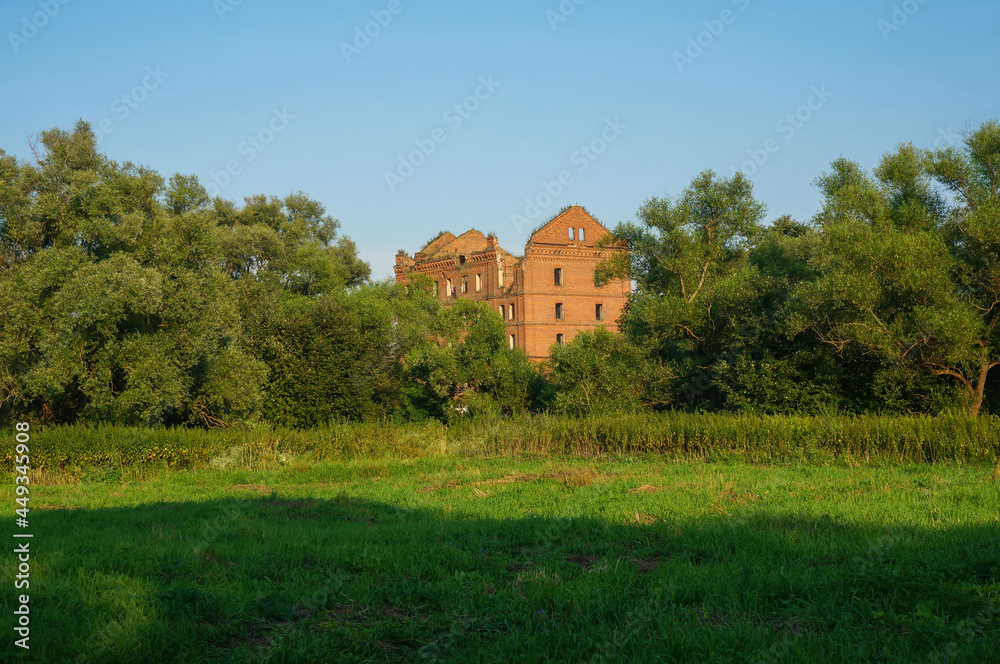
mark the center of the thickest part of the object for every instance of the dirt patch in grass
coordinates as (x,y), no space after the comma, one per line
(577,477)
(293,504)
(368,615)
(586,562)
(207,556)
(255,639)
(366,521)
(646,565)
(261,640)
(644,519)
(731,493)
(256,488)
(508,479)
(293,509)
(454,484)
(517,568)
(794,626)
(323,486)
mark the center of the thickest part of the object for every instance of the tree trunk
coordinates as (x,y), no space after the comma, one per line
(976,390)
(979,391)
(977,403)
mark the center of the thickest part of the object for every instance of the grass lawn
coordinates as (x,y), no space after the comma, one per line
(444,558)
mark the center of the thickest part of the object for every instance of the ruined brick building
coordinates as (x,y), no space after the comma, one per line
(546,296)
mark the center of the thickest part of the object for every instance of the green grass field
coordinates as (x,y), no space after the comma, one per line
(451,559)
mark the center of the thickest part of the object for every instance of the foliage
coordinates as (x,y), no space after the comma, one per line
(687,436)
(603,372)
(117,310)
(689,263)
(905,273)
(121,293)
(457,361)
(132,300)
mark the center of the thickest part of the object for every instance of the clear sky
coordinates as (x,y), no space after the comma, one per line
(476,108)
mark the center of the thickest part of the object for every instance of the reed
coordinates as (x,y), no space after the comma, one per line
(686,436)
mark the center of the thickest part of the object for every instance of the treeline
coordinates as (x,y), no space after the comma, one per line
(887,302)
(129,299)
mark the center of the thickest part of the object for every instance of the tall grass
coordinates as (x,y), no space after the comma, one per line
(753,438)
(706,437)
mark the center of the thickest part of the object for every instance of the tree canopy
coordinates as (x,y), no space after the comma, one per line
(136,299)
(909,261)
(122,292)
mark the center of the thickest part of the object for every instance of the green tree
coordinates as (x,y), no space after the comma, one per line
(603,372)
(688,260)
(330,358)
(118,310)
(909,273)
(291,243)
(456,359)
(129,299)
(764,367)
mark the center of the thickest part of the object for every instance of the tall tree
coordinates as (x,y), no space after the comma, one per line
(688,260)
(117,308)
(909,273)
(456,358)
(123,294)
(603,372)
(291,242)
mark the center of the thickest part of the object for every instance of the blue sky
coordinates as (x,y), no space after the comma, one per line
(623,101)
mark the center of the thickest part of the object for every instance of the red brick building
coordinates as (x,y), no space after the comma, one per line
(546,296)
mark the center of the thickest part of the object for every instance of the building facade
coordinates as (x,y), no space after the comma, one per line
(546,296)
